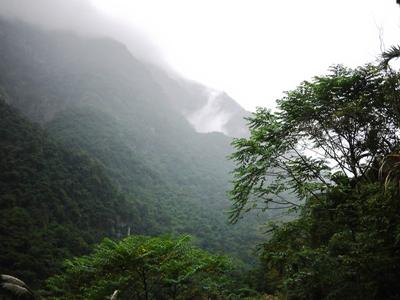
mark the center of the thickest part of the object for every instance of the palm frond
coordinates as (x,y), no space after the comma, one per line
(15,286)
(389,170)
(392,53)
(11,279)
(16,289)
(114,295)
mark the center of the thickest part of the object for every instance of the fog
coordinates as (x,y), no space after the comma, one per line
(252,50)
(210,117)
(83,18)
(256,49)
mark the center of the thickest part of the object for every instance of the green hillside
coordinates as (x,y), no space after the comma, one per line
(107,191)
(93,98)
(53,202)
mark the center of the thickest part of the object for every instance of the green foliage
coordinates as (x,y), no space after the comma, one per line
(344,246)
(145,268)
(169,192)
(334,143)
(93,97)
(331,129)
(53,203)
(110,154)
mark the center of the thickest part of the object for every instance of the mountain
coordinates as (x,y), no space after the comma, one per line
(53,202)
(206,109)
(190,98)
(91,97)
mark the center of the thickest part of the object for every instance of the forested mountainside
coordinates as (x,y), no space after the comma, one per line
(91,97)
(53,202)
(204,108)
(100,159)
(78,65)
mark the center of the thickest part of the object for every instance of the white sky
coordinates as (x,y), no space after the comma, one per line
(255,49)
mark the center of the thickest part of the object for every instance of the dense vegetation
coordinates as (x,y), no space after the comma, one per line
(91,149)
(53,202)
(334,143)
(110,157)
(92,96)
(147,268)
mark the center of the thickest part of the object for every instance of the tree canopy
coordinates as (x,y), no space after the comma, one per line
(146,268)
(332,150)
(329,130)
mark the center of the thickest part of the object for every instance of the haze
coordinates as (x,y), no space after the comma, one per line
(254,50)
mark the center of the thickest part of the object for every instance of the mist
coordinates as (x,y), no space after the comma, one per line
(210,117)
(123,149)
(81,17)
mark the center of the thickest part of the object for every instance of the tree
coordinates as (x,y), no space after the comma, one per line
(389,55)
(145,268)
(334,143)
(327,131)
(344,245)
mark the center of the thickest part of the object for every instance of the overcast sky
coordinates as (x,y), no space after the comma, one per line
(255,49)
(252,49)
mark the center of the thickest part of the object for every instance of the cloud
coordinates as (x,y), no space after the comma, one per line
(81,17)
(210,117)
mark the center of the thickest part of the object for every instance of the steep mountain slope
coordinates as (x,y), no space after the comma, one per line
(53,203)
(93,96)
(205,108)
